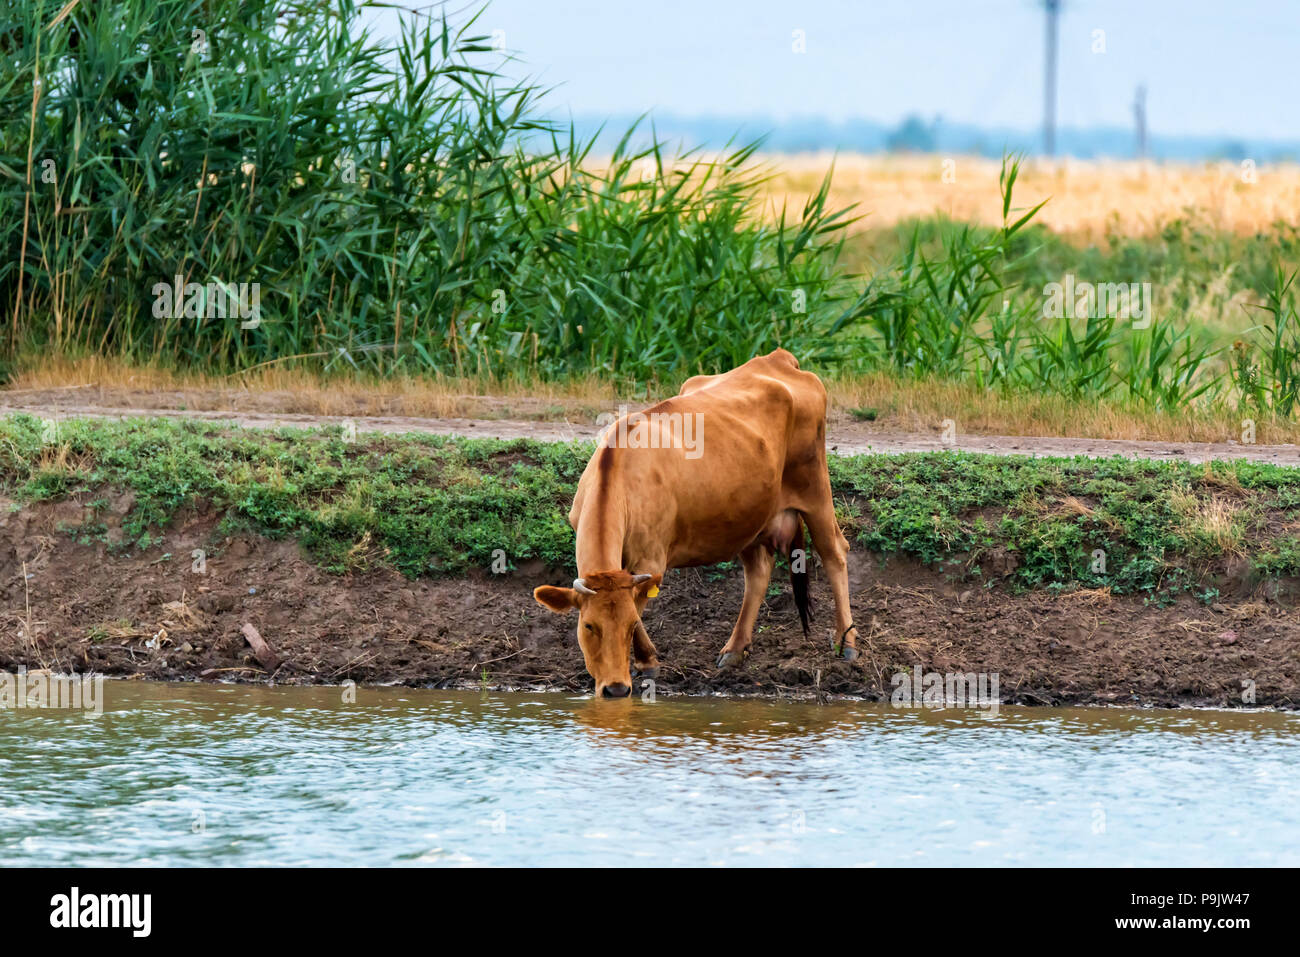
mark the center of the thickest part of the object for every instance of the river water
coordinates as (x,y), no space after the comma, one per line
(174,774)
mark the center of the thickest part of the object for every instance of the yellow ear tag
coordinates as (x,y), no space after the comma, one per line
(653,592)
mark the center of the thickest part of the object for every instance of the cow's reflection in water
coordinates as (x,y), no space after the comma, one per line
(731,725)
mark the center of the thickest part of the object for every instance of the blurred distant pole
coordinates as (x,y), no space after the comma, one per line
(1140,119)
(1049,78)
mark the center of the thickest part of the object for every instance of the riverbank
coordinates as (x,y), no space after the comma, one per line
(145,548)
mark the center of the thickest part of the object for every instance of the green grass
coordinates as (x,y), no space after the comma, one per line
(1186,259)
(434,506)
(1223,332)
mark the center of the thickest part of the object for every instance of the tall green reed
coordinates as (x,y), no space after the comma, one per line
(397,201)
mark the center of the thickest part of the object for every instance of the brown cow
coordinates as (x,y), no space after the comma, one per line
(735,464)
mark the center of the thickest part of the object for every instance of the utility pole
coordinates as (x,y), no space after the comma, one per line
(1053,8)
(1140,119)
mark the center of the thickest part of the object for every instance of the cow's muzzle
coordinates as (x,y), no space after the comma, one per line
(616,690)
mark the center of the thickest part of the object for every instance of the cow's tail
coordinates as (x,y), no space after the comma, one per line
(799,574)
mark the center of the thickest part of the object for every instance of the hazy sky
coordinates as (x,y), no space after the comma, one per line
(1230,67)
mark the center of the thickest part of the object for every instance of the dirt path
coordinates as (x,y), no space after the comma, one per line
(844,438)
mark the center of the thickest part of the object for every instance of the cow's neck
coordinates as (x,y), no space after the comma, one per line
(602,523)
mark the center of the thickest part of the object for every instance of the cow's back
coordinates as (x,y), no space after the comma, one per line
(758,424)
(769,386)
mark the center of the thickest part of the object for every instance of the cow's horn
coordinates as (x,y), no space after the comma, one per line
(638,579)
(580,586)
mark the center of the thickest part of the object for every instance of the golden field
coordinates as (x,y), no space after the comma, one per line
(1087,199)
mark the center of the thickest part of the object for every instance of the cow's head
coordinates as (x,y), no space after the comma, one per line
(609,612)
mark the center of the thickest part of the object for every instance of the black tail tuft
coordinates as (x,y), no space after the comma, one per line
(799,560)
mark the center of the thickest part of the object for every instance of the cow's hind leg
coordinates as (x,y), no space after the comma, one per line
(758,561)
(833,548)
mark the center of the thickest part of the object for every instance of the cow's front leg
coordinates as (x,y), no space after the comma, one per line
(758,561)
(644,656)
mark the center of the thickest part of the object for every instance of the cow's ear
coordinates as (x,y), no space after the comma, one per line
(558,600)
(650,587)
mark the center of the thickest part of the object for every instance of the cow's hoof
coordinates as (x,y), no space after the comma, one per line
(649,673)
(732,659)
(849,653)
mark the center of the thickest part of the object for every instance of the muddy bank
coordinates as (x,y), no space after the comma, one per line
(152,614)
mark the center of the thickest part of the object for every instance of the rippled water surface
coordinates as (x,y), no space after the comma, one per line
(213,774)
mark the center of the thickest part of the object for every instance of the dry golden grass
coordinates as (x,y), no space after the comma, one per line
(1088,596)
(921,407)
(1214,476)
(879,401)
(1213,522)
(61,460)
(1087,198)
(1074,506)
(97,379)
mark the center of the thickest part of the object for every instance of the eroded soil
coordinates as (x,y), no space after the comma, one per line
(90,606)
